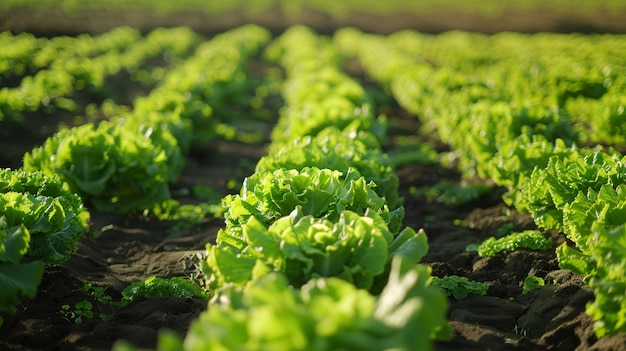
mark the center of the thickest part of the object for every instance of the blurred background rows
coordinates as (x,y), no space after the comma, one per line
(53,17)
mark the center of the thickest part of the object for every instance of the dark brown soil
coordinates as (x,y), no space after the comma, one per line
(129,248)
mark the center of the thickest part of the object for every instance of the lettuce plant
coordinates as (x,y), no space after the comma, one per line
(110,167)
(606,207)
(155,287)
(323,314)
(322,193)
(355,248)
(516,159)
(532,283)
(40,223)
(51,217)
(460,287)
(334,150)
(607,280)
(528,239)
(550,189)
(595,222)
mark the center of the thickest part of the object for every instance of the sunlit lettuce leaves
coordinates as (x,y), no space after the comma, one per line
(37,206)
(551,188)
(270,195)
(490,123)
(323,314)
(40,224)
(608,281)
(337,151)
(355,248)
(516,159)
(606,207)
(109,166)
(596,222)
(527,239)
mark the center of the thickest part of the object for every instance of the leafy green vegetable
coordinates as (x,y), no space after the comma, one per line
(159,129)
(155,287)
(460,287)
(606,207)
(110,167)
(531,283)
(322,193)
(333,150)
(528,239)
(608,280)
(40,223)
(324,314)
(38,217)
(550,189)
(355,248)
(18,279)
(453,194)
(516,159)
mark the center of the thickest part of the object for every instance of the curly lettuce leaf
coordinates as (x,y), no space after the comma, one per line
(606,207)
(14,242)
(516,159)
(354,248)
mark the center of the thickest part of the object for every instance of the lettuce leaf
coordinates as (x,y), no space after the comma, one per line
(527,239)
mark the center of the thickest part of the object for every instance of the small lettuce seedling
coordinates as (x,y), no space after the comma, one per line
(531,283)
(460,287)
(528,239)
(155,287)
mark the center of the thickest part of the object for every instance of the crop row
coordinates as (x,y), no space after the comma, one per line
(524,104)
(63,65)
(24,53)
(312,255)
(116,166)
(489,8)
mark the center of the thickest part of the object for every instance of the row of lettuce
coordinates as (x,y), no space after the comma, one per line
(50,70)
(488,8)
(539,115)
(312,255)
(118,166)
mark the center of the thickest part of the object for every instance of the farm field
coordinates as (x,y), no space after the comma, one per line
(443,136)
